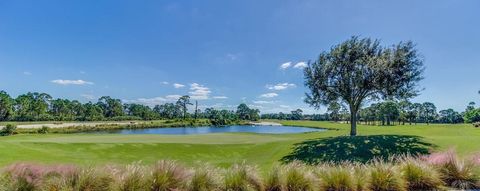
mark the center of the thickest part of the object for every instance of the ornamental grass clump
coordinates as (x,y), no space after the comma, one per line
(298,177)
(337,177)
(456,173)
(385,177)
(24,176)
(205,179)
(98,179)
(274,180)
(132,177)
(418,175)
(168,175)
(242,177)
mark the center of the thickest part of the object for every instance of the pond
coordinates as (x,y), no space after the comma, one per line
(225,129)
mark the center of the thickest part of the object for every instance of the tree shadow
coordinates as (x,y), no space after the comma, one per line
(357,149)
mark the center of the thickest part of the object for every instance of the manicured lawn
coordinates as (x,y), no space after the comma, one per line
(225,149)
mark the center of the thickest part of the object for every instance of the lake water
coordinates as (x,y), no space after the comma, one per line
(226,129)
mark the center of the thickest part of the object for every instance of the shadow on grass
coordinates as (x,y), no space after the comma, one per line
(357,149)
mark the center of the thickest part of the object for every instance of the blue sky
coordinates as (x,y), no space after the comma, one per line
(223,52)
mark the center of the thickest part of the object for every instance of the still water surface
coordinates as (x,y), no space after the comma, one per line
(226,129)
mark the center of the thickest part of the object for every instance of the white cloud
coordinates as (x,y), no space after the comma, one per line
(281,86)
(284,106)
(154,101)
(165,83)
(199,92)
(220,97)
(172,97)
(263,102)
(176,85)
(26,73)
(71,82)
(88,96)
(285,65)
(269,95)
(300,65)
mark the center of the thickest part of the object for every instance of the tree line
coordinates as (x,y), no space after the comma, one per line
(35,106)
(388,113)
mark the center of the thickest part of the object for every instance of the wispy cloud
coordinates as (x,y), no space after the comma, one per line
(269,95)
(285,65)
(26,73)
(281,86)
(165,83)
(220,97)
(155,100)
(199,92)
(172,97)
(263,102)
(177,85)
(300,65)
(88,96)
(71,82)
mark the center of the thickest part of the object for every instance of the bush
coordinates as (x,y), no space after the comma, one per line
(477,124)
(43,130)
(9,129)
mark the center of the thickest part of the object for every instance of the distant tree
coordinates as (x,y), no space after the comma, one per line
(93,112)
(334,109)
(139,110)
(450,116)
(297,114)
(361,69)
(111,107)
(404,108)
(243,112)
(389,112)
(429,112)
(6,106)
(32,106)
(183,103)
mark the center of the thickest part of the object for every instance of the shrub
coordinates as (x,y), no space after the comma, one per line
(168,175)
(242,178)
(339,178)
(9,129)
(385,177)
(298,178)
(43,130)
(419,175)
(477,124)
(273,180)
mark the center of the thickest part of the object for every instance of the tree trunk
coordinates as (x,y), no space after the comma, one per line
(196,109)
(353,123)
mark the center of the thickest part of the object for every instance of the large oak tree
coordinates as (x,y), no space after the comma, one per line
(360,69)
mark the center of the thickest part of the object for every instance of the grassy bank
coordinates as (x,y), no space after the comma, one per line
(225,149)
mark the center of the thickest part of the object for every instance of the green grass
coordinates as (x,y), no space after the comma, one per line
(225,149)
